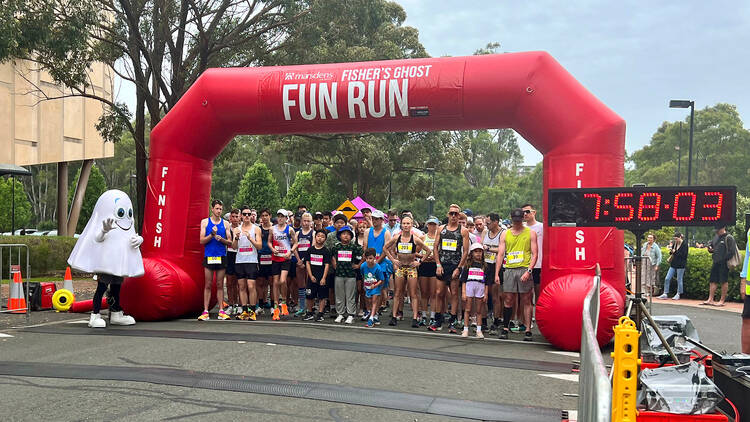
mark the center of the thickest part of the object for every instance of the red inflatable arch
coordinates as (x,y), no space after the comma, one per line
(582,141)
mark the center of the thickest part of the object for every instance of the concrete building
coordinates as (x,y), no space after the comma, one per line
(37,131)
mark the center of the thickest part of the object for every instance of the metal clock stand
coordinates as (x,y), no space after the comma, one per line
(639,302)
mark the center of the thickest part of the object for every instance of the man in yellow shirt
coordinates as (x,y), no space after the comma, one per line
(518,246)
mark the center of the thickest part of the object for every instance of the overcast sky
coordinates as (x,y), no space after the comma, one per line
(634,56)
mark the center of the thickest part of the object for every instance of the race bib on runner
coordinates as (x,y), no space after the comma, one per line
(304,245)
(213,260)
(405,247)
(515,257)
(316,259)
(345,256)
(248,249)
(449,244)
(490,257)
(265,260)
(475,274)
(280,251)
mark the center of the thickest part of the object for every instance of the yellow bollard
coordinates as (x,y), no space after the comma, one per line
(625,371)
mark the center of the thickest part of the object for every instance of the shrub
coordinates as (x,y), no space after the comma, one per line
(695,281)
(48,254)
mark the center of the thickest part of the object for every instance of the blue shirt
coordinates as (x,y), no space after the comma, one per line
(214,247)
(371,275)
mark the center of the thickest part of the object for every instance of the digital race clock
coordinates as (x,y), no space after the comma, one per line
(641,207)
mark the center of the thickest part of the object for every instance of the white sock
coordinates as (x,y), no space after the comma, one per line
(432,314)
(479,328)
(466,329)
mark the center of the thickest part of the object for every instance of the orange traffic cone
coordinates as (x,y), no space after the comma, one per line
(68,281)
(17,301)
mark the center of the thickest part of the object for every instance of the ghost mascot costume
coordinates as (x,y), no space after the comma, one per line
(108,247)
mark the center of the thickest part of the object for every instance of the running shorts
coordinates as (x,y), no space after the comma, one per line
(247,270)
(427,269)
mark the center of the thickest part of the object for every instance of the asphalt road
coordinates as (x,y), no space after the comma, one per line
(58,369)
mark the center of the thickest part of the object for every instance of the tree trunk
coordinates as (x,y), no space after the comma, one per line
(140,157)
(62,198)
(75,206)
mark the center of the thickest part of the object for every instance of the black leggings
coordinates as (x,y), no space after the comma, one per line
(114,290)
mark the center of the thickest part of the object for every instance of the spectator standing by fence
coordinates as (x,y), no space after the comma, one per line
(678,253)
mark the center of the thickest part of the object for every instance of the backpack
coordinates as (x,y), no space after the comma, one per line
(735,259)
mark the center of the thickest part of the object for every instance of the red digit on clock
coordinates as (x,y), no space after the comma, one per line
(677,205)
(718,205)
(619,206)
(656,206)
(598,203)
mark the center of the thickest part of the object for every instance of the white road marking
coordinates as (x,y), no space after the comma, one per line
(562,353)
(564,377)
(270,344)
(3,335)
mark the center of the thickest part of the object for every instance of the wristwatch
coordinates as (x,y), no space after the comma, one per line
(529,270)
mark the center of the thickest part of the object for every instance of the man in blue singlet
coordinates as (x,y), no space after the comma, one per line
(377,237)
(215,236)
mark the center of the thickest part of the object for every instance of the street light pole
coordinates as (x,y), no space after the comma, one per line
(687,104)
(679,153)
(431,199)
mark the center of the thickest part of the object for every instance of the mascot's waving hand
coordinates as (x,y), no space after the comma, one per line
(109,247)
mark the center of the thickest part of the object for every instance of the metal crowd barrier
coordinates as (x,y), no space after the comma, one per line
(594,388)
(7,267)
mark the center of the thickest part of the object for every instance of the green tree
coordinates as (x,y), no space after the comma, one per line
(259,189)
(720,152)
(22,204)
(303,191)
(488,154)
(95,187)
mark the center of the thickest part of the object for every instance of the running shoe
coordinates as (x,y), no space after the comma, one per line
(284,310)
(370,323)
(366,316)
(522,328)
(377,320)
(465,333)
(223,315)
(258,310)
(423,321)
(400,315)
(393,322)
(204,316)
(453,328)
(275,316)
(321,317)
(244,316)
(493,329)
(663,296)
(435,327)
(480,335)
(527,336)
(432,321)
(503,334)
(251,315)
(349,319)
(309,316)
(301,312)
(414,323)
(339,319)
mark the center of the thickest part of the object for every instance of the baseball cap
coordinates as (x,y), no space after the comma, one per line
(475,245)
(318,216)
(378,214)
(516,214)
(433,220)
(298,214)
(281,211)
(468,212)
(362,210)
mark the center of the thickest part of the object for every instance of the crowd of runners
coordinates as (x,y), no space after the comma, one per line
(461,272)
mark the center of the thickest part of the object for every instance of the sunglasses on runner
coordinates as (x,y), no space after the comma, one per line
(453,213)
(247,214)
(527,211)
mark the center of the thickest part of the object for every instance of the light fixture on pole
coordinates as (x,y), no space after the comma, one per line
(691,105)
(431,198)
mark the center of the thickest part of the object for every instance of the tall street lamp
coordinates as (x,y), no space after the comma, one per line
(431,198)
(679,153)
(691,105)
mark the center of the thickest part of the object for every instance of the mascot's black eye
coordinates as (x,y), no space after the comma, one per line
(121,212)
(130,212)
